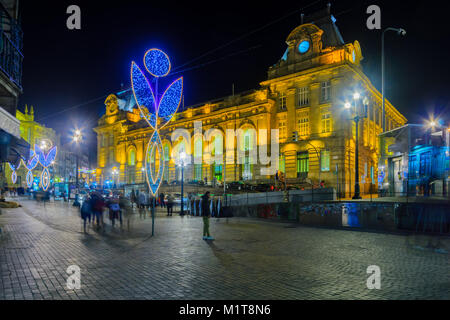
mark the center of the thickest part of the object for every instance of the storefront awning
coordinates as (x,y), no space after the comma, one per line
(12,146)
(12,149)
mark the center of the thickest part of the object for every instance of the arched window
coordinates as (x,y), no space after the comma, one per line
(198,154)
(198,148)
(218,145)
(181,147)
(248,141)
(248,145)
(132,157)
(166,152)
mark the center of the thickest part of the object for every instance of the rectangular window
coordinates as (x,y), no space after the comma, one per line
(166,174)
(166,153)
(303,96)
(282,163)
(283,101)
(247,143)
(325,91)
(372,174)
(303,122)
(326,120)
(325,160)
(104,140)
(425,164)
(197,172)
(413,168)
(282,129)
(247,169)
(302,164)
(218,171)
(111,155)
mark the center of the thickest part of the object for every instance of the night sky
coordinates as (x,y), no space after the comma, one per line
(64,69)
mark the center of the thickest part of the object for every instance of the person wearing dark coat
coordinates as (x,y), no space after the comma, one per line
(206,213)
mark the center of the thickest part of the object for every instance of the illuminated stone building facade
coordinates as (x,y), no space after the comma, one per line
(35,133)
(304,96)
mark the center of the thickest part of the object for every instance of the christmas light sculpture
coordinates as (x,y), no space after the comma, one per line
(45,161)
(14,173)
(30,165)
(156,113)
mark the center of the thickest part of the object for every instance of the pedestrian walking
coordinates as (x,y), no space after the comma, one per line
(141,200)
(144,205)
(86,213)
(114,211)
(206,213)
(190,203)
(161,200)
(133,198)
(126,209)
(97,204)
(170,202)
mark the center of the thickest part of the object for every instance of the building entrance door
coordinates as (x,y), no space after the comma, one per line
(398,181)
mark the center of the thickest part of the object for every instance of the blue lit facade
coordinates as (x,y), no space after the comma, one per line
(427,164)
(415,160)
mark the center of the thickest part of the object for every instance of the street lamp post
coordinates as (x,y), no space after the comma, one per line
(182,164)
(115,174)
(77,137)
(356,119)
(447,157)
(401,32)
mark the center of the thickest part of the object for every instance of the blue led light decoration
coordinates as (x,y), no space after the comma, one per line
(30,165)
(14,171)
(45,161)
(157,63)
(156,112)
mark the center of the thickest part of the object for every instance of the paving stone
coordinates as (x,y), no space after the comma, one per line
(250,259)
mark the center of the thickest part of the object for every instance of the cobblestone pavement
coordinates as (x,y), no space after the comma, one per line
(250,259)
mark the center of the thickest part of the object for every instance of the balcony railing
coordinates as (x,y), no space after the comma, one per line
(11,56)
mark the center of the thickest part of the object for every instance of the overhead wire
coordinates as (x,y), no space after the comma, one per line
(196,59)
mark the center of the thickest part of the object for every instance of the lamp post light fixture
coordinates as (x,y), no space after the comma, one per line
(182,164)
(432,124)
(400,32)
(357,117)
(77,139)
(115,174)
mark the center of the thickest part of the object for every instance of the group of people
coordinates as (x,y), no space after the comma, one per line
(121,208)
(11,192)
(94,206)
(144,200)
